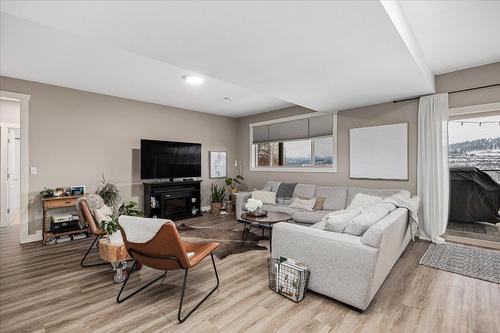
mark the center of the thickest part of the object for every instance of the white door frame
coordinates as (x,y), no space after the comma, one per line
(3,169)
(24,237)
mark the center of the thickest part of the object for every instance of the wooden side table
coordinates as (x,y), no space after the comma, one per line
(57,202)
(117,256)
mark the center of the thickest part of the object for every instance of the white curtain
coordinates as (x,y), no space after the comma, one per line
(432,166)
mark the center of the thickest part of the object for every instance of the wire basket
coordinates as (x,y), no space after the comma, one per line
(288,277)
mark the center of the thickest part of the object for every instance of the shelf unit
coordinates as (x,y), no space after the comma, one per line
(58,203)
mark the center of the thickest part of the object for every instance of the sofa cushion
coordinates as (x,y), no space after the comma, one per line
(339,220)
(310,217)
(305,191)
(282,209)
(264,196)
(352,191)
(366,219)
(362,201)
(335,197)
(272,186)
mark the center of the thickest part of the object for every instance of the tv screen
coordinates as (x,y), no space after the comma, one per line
(168,159)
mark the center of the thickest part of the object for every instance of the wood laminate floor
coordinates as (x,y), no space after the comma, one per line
(44,289)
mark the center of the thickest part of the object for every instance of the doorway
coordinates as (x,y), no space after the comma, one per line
(10,162)
(474,160)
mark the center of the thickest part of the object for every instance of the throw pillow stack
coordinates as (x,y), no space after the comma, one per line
(363,212)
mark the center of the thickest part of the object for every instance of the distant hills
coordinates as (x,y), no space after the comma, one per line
(474,145)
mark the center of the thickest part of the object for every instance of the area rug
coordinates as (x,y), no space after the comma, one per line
(477,228)
(229,238)
(468,261)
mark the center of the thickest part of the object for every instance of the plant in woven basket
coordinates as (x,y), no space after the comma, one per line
(108,192)
(218,193)
(130,208)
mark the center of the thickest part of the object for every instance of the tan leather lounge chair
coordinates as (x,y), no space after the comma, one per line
(157,244)
(94,229)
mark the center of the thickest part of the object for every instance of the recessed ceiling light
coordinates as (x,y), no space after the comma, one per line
(228,99)
(193,79)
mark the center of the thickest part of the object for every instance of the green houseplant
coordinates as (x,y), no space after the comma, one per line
(218,193)
(108,192)
(233,182)
(130,208)
(110,225)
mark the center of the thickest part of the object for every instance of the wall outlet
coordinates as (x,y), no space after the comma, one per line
(32,170)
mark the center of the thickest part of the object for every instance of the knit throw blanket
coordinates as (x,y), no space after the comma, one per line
(399,200)
(285,190)
(94,202)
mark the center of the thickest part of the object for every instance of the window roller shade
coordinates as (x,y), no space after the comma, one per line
(289,130)
(294,129)
(321,126)
(261,134)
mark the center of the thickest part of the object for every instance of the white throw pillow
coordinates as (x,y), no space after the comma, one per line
(339,220)
(362,200)
(307,204)
(366,219)
(266,197)
(102,214)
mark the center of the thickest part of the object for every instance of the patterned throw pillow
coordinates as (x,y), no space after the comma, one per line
(307,204)
(265,196)
(319,203)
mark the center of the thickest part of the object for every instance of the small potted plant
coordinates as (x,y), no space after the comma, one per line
(110,225)
(218,193)
(233,182)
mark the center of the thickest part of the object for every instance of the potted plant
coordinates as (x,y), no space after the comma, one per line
(108,192)
(218,193)
(233,182)
(130,208)
(110,225)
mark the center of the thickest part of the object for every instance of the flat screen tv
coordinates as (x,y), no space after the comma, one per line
(168,159)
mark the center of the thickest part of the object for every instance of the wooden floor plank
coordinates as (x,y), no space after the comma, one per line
(44,289)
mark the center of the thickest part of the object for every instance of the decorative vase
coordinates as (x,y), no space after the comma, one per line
(116,237)
(216,207)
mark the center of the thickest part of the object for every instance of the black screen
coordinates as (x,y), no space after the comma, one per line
(167,159)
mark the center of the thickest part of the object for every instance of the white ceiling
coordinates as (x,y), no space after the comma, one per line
(324,55)
(455,35)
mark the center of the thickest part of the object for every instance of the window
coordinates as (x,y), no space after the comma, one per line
(289,145)
(297,153)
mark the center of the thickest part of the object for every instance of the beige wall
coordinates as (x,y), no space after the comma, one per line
(77,136)
(470,78)
(380,114)
(386,113)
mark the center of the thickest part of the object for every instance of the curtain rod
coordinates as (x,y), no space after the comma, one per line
(450,92)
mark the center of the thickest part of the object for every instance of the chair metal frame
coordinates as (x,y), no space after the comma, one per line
(97,238)
(179,317)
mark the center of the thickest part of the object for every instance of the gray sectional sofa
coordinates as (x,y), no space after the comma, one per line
(347,268)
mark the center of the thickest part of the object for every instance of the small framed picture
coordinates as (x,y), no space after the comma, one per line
(77,190)
(218,164)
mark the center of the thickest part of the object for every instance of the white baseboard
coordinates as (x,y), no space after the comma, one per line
(36,237)
(205,209)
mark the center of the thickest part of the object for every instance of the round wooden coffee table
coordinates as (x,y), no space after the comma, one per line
(265,222)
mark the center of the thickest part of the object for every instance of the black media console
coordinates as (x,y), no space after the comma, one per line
(172,200)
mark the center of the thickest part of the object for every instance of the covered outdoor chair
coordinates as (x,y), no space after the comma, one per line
(157,244)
